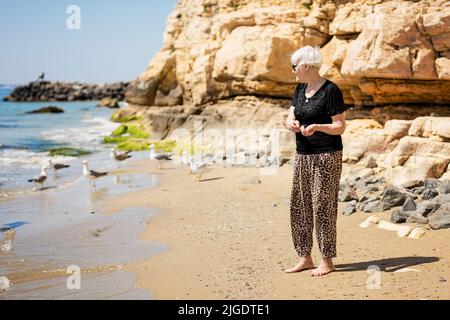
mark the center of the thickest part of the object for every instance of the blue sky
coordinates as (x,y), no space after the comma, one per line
(116,41)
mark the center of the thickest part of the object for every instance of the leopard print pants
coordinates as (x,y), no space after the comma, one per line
(314,201)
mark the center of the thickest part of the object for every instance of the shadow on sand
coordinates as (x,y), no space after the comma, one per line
(386,265)
(211,179)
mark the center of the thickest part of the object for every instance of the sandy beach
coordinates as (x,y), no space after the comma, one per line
(86,213)
(147,233)
(229,238)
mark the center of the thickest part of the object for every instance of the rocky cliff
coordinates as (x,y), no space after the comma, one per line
(227,64)
(379,52)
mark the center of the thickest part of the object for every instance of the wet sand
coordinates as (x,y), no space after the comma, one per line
(230,238)
(66,225)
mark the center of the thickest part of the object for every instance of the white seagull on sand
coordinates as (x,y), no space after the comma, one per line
(91,174)
(198,168)
(41,178)
(159,157)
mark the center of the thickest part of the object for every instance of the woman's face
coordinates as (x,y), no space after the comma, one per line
(301,72)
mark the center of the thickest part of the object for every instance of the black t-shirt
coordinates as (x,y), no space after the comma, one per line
(326,102)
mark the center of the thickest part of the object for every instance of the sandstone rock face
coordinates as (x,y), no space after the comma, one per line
(410,151)
(378,52)
(226,64)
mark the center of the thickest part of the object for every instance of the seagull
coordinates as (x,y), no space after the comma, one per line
(120,156)
(41,178)
(159,157)
(198,168)
(91,174)
(56,166)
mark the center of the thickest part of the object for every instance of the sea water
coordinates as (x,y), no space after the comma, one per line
(26,138)
(63,225)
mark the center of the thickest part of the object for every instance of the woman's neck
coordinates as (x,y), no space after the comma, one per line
(316,81)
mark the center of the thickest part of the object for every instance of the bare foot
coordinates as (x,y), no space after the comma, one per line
(304,264)
(325,267)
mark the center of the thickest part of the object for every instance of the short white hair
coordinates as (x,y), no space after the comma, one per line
(308,56)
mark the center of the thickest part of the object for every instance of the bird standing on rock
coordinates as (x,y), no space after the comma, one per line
(91,175)
(159,157)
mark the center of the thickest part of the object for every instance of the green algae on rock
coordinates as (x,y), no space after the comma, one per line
(68,152)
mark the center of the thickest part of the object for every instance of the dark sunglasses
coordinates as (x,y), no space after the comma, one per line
(294,66)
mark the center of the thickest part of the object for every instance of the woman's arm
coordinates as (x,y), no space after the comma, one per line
(291,123)
(335,128)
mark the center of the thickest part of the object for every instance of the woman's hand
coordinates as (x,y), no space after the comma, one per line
(309,130)
(294,126)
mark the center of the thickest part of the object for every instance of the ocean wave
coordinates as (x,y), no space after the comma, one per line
(88,137)
(22,157)
(26,158)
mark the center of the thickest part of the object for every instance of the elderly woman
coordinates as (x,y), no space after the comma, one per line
(317,116)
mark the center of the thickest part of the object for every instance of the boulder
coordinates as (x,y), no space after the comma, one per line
(109,103)
(50,109)
(431,183)
(429,194)
(427,207)
(415,159)
(347,194)
(440,220)
(445,198)
(369,189)
(375,205)
(444,187)
(409,205)
(415,217)
(350,208)
(430,126)
(417,190)
(393,196)
(400,216)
